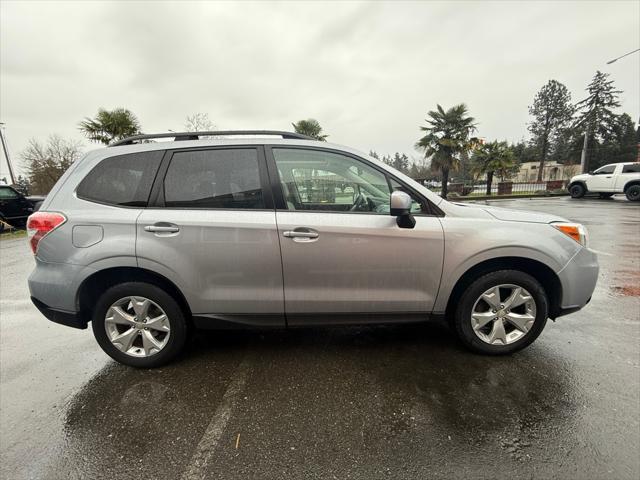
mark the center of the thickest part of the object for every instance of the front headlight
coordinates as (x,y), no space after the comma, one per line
(574,230)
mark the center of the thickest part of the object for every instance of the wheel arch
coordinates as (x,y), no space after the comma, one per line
(630,183)
(578,182)
(542,273)
(94,285)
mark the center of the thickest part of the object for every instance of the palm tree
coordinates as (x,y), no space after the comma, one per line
(447,136)
(494,158)
(310,128)
(109,126)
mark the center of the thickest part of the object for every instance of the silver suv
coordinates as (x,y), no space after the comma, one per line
(148,239)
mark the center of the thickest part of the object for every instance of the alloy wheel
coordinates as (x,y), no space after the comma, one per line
(137,326)
(503,314)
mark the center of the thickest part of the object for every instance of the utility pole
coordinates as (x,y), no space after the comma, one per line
(583,158)
(6,153)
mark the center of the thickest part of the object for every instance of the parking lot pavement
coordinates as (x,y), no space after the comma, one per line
(375,402)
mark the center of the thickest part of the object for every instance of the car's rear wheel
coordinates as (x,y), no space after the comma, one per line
(577,190)
(139,325)
(633,193)
(501,312)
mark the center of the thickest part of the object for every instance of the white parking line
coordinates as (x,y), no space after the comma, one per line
(211,436)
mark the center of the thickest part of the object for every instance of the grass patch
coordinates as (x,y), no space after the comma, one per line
(9,234)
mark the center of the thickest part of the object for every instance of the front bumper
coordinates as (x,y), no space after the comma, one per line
(578,279)
(70,319)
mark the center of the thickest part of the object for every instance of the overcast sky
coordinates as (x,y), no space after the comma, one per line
(368,71)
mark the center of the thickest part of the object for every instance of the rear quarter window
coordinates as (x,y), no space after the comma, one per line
(633,168)
(123,180)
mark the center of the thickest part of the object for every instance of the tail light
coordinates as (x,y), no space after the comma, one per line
(40,224)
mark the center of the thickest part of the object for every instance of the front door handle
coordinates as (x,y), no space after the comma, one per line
(301,234)
(162,227)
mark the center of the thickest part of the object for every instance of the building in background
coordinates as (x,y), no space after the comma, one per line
(551,171)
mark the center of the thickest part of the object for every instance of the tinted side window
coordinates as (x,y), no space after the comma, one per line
(214,179)
(633,168)
(122,180)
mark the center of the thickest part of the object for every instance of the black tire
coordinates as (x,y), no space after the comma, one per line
(577,190)
(605,195)
(176,318)
(633,193)
(462,317)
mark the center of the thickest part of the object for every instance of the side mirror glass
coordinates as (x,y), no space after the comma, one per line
(401,209)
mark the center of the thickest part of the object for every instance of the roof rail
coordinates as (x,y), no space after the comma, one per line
(196,135)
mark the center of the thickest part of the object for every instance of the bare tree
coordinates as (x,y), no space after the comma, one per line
(198,122)
(47,162)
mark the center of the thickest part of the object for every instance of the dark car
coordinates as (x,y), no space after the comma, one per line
(15,207)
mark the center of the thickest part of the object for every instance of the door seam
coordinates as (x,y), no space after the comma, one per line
(135,247)
(284,298)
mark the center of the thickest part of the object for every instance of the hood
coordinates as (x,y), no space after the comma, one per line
(582,176)
(485,211)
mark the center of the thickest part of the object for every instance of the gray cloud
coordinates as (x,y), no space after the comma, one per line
(368,71)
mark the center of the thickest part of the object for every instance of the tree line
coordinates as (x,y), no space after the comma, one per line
(450,147)
(559,131)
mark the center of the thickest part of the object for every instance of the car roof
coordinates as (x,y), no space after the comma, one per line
(212,142)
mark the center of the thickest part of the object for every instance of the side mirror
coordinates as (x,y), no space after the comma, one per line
(401,209)
(590,172)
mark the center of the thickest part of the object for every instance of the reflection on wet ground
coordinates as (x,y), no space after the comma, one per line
(360,402)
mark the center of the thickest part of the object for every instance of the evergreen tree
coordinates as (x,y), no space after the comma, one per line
(22,185)
(552,113)
(596,118)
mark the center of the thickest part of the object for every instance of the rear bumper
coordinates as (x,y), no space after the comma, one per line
(70,319)
(56,284)
(578,280)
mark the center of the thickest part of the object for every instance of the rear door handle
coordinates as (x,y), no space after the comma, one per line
(301,234)
(162,227)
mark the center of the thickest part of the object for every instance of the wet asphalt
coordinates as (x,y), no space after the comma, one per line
(360,402)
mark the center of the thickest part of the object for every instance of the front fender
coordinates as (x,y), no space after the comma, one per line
(469,242)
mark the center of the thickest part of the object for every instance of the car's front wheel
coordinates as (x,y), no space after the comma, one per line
(501,312)
(633,193)
(139,325)
(577,190)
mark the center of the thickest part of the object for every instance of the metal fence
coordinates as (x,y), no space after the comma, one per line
(479,189)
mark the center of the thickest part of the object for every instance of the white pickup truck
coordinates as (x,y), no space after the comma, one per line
(607,180)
